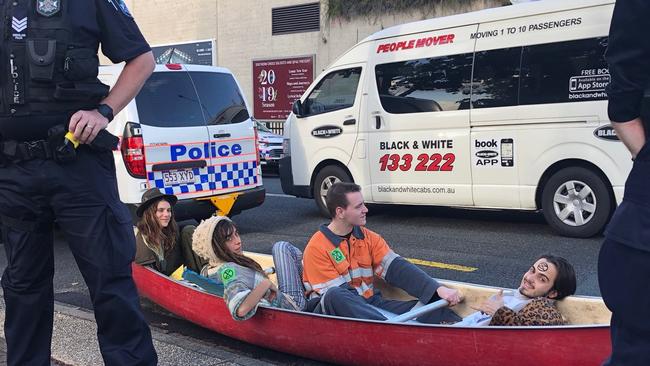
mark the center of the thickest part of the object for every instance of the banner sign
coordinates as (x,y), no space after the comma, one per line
(278,83)
(195,53)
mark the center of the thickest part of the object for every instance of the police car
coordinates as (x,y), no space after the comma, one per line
(188,133)
(501,108)
(270,146)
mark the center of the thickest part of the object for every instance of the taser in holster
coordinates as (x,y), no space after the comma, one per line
(65,149)
(104,141)
(69,139)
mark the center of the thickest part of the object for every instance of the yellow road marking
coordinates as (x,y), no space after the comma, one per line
(453,267)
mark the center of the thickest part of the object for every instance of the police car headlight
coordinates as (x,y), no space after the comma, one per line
(286,147)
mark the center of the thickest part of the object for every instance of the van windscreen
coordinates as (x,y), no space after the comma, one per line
(168,99)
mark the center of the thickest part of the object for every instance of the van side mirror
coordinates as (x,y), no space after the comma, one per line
(298,108)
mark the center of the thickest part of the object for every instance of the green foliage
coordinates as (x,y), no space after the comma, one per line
(348,9)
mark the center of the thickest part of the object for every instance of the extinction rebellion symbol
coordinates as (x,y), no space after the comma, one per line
(337,255)
(228,275)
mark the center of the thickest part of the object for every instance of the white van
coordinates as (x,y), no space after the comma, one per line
(188,133)
(501,108)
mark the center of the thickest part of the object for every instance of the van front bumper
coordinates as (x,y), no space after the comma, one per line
(286,180)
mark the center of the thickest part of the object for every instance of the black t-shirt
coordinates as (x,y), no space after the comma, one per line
(93,22)
(346,236)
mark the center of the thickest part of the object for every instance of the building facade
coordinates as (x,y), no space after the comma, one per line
(249,37)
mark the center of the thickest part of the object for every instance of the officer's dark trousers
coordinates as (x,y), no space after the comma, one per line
(624,277)
(624,269)
(82,197)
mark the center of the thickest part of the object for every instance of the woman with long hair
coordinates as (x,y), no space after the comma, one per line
(159,244)
(246,285)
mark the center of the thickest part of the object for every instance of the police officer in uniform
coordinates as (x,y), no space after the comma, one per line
(624,261)
(49,85)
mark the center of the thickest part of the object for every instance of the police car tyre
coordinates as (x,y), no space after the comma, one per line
(576,202)
(326,177)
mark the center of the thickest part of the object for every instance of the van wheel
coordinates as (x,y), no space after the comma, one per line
(576,202)
(326,177)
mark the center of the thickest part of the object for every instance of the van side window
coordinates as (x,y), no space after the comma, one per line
(220,98)
(571,71)
(425,85)
(337,90)
(496,78)
(168,99)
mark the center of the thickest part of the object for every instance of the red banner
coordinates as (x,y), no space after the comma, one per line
(278,83)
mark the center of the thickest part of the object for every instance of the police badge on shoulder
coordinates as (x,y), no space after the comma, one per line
(121,6)
(48,8)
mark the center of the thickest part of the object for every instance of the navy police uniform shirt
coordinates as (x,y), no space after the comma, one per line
(93,22)
(113,27)
(628,56)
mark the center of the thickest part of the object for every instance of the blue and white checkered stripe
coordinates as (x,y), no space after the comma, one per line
(211,178)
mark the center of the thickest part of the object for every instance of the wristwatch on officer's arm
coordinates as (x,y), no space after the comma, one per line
(106,111)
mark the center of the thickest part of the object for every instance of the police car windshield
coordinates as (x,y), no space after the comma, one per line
(221,98)
(180,99)
(168,99)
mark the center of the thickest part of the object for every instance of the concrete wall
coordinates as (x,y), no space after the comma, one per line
(173,21)
(244,35)
(242,30)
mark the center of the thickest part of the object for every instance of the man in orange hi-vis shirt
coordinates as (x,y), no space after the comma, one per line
(341,259)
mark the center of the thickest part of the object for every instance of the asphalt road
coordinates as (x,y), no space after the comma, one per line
(491,247)
(501,245)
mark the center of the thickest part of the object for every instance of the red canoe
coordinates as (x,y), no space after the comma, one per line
(361,342)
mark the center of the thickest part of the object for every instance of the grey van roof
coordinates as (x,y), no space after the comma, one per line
(484,16)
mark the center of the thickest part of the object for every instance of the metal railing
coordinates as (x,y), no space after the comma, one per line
(275,126)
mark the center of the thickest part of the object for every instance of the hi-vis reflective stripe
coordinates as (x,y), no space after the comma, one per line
(308,287)
(361,272)
(338,281)
(385,263)
(363,288)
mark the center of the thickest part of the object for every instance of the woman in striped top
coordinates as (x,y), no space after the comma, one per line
(246,284)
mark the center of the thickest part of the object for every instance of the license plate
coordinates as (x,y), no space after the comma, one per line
(173,177)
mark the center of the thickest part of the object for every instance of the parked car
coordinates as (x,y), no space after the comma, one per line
(269,145)
(188,133)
